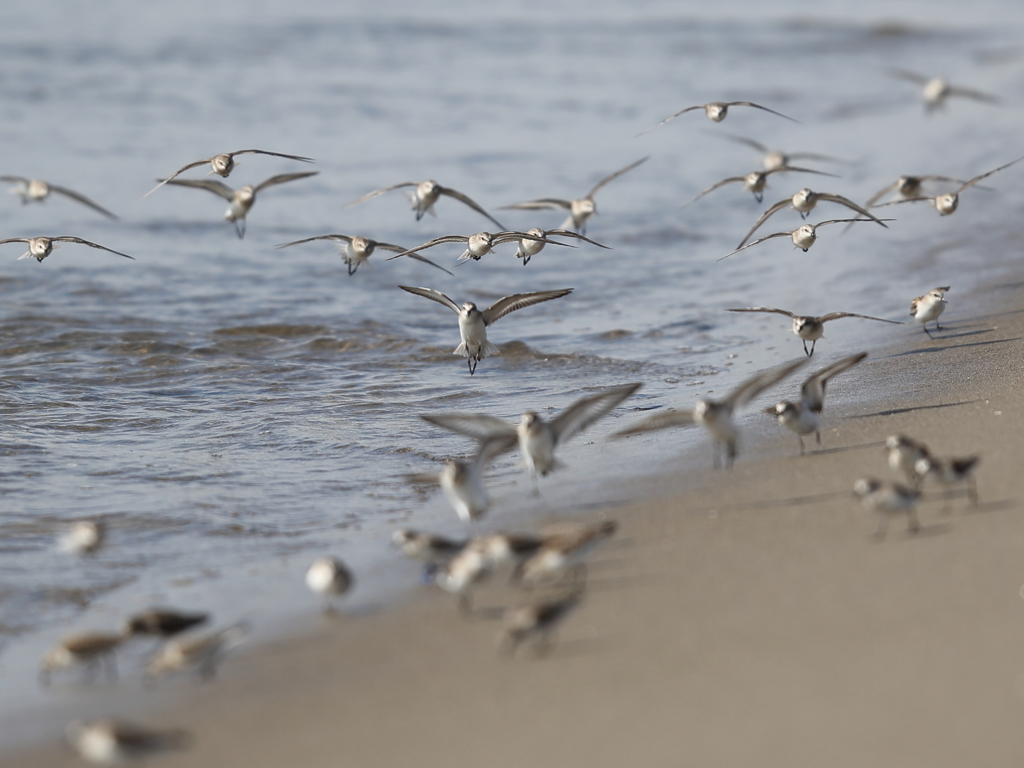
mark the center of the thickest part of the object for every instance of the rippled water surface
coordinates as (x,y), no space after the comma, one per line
(231,410)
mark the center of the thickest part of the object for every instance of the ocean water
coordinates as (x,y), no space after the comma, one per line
(231,410)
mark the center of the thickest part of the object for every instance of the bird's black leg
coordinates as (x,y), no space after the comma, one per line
(472,365)
(927,331)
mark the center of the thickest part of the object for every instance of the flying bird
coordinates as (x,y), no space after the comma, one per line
(423,197)
(41,247)
(716,112)
(935,90)
(775,158)
(947,202)
(531,246)
(803,236)
(803,202)
(223,164)
(810,328)
(37,190)
(355,250)
(479,244)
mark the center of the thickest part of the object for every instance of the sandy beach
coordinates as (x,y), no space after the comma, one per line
(743,617)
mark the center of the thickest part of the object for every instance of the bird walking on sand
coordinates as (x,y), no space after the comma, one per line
(200,652)
(423,197)
(951,471)
(41,247)
(929,307)
(810,328)
(223,164)
(716,111)
(37,190)
(888,499)
(948,202)
(355,250)
(89,650)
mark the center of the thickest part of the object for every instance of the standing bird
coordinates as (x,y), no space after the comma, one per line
(355,250)
(888,499)
(950,472)
(803,202)
(564,549)
(223,164)
(201,652)
(115,742)
(41,247)
(903,454)
(329,577)
(425,195)
(473,323)
(716,112)
(579,210)
(479,244)
(810,328)
(716,416)
(531,246)
(37,190)
(935,90)
(755,181)
(803,236)
(947,202)
(926,308)
(804,417)
(241,200)
(88,649)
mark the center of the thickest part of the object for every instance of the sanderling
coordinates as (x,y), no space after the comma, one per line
(473,323)
(716,415)
(428,547)
(716,112)
(531,246)
(579,210)
(888,499)
(480,558)
(803,236)
(479,244)
(804,417)
(803,202)
(536,438)
(163,622)
(947,202)
(775,158)
(82,537)
(41,247)
(564,549)
(202,652)
(37,190)
(113,742)
(926,308)
(935,90)
(810,328)
(223,164)
(903,454)
(241,199)
(424,197)
(540,618)
(88,649)
(463,481)
(755,181)
(329,577)
(354,250)
(908,186)
(950,472)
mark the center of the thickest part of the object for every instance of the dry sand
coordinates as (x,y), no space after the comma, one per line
(742,618)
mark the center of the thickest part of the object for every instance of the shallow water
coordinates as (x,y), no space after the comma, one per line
(232,410)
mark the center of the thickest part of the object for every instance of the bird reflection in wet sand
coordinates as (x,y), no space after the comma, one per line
(37,190)
(929,307)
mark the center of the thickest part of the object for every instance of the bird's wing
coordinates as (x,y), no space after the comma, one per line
(512,237)
(616,175)
(538,205)
(80,241)
(503,306)
(587,410)
(672,117)
(976,179)
(713,187)
(282,178)
(567,233)
(376,192)
(817,156)
(843,221)
(14,240)
(764,217)
(758,106)
(659,421)
(743,140)
(755,385)
(345,238)
(838,315)
(178,172)
(755,242)
(390,247)
(415,256)
(970,93)
(907,200)
(430,293)
(785,312)
(479,426)
(828,196)
(465,199)
(797,169)
(82,199)
(210,185)
(432,243)
(906,74)
(880,194)
(812,393)
(275,154)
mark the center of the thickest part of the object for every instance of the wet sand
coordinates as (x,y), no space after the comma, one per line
(744,617)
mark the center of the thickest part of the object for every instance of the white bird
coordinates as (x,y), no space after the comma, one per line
(579,210)
(716,416)
(775,158)
(41,247)
(37,190)
(716,111)
(354,250)
(755,181)
(82,537)
(803,236)
(425,195)
(804,202)
(908,186)
(115,742)
(479,244)
(804,417)
(929,307)
(565,548)
(935,90)
(463,481)
(480,558)
(888,499)
(950,472)
(223,164)
(473,323)
(811,328)
(200,651)
(87,649)
(904,453)
(329,577)
(947,202)
(531,246)
(241,200)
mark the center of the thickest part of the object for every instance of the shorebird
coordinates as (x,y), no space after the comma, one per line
(329,577)
(926,308)
(114,742)
(565,548)
(355,250)
(37,190)
(88,649)
(810,328)
(473,323)
(202,652)
(803,202)
(903,454)
(803,236)
(538,619)
(755,181)
(531,246)
(775,158)
(480,244)
(716,416)
(480,558)
(425,195)
(888,499)
(241,200)
(41,247)
(935,90)
(223,164)
(908,186)
(947,202)
(950,472)
(716,112)
(434,550)
(579,210)
(803,417)
(82,537)
(463,481)
(163,622)
(537,439)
